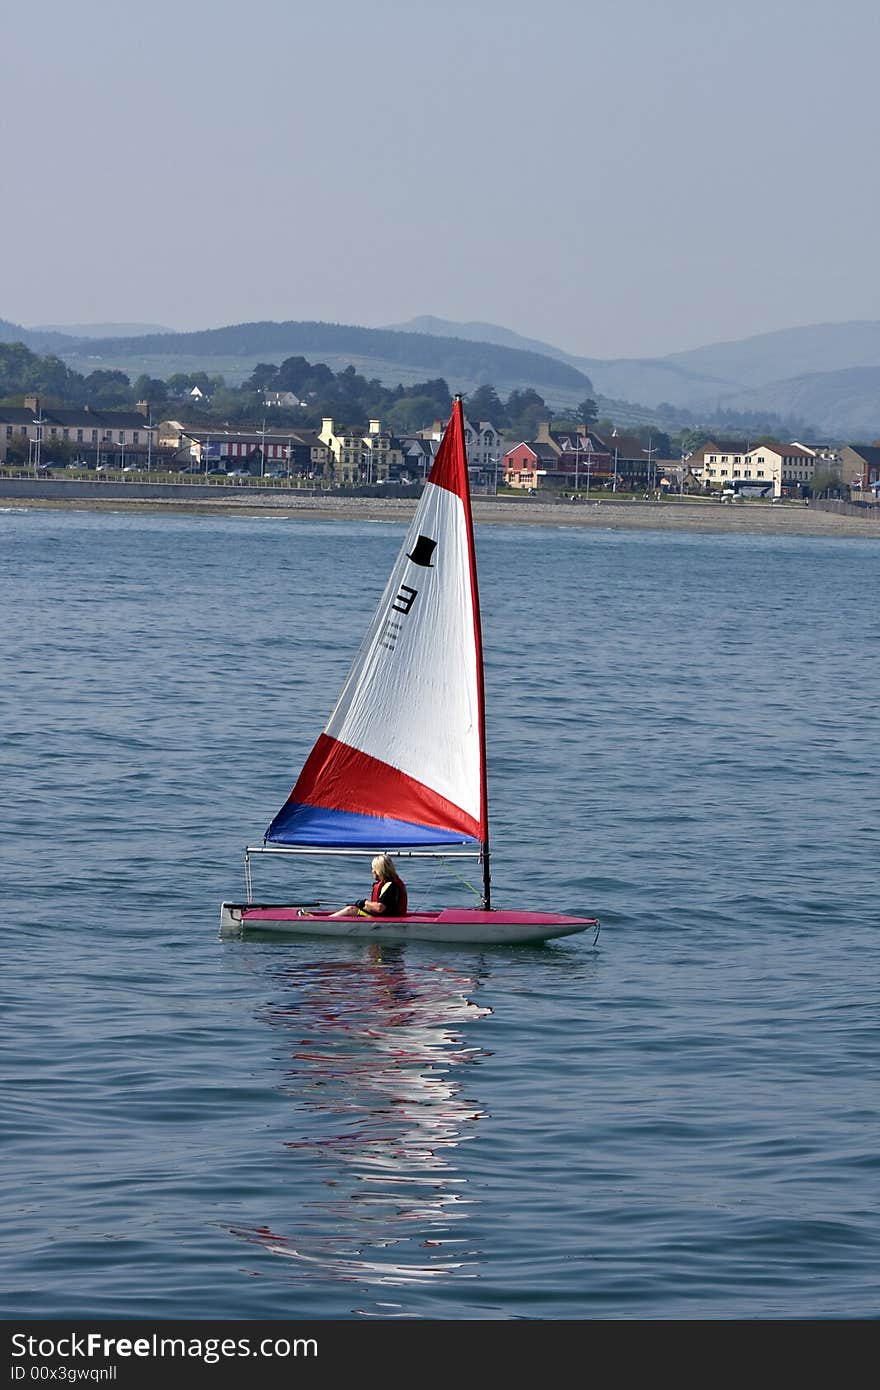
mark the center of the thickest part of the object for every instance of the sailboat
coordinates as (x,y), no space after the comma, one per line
(400,767)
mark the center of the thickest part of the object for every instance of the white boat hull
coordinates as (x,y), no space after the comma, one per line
(450,924)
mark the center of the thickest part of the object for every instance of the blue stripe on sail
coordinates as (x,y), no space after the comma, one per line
(300,824)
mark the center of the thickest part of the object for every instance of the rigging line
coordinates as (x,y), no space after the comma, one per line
(460,877)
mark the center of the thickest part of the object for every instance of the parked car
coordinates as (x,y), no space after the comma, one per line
(238,473)
(216,473)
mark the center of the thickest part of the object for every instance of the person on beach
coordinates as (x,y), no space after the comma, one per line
(388,898)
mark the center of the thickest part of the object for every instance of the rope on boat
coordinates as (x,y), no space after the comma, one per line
(476,891)
(440,862)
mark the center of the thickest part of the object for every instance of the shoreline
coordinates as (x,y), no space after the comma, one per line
(668,515)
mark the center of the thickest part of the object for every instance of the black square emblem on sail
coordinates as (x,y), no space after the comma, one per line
(422,551)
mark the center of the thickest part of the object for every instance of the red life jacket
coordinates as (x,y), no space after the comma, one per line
(375,896)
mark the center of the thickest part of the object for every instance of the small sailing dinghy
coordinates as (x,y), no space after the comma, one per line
(401,765)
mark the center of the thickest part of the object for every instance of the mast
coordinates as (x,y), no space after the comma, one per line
(486,899)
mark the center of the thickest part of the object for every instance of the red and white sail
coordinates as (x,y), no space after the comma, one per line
(401,760)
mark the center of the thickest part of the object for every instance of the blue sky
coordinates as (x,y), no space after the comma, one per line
(621,179)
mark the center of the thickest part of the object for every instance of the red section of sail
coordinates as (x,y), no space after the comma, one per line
(449,468)
(343,779)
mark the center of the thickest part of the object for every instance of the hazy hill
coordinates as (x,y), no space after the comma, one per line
(37,339)
(476,332)
(649,380)
(845,403)
(101,330)
(820,372)
(823,372)
(388,354)
(791,352)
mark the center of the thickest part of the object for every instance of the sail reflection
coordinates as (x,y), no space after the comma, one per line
(377,1060)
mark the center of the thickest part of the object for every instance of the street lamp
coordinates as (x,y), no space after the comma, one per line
(38,442)
(651,451)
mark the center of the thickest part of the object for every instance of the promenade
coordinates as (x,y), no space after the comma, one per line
(749,518)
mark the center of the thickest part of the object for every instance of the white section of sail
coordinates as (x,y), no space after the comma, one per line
(411,697)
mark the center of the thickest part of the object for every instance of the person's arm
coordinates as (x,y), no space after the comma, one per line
(367,905)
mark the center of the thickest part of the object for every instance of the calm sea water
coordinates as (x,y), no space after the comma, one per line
(678,1121)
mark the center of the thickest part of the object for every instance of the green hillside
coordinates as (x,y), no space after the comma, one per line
(389,355)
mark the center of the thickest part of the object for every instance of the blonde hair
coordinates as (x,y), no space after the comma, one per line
(383,865)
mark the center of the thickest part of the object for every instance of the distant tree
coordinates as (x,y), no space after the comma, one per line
(484,404)
(524,412)
(150,389)
(182,383)
(436,392)
(588,412)
(293,374)
(56,450)
(689,440)
(264,375)
(826,483)
(107,390)
(410,414)
(527,403)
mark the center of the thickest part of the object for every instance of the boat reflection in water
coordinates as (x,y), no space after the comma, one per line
(378,1056)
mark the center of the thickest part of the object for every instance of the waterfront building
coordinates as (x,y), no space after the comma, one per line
(860,468)
(89,437)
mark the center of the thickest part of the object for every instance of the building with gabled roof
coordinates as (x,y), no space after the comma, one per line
(91,436)
(860,466)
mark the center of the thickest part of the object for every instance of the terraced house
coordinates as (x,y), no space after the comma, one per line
(89,437)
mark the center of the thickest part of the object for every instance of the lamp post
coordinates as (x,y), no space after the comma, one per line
(38,442)
(263,451)
(651,451)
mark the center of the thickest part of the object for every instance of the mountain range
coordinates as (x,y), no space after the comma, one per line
(826,374)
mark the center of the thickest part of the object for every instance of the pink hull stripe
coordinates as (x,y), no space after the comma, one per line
(463,916)
(344,779)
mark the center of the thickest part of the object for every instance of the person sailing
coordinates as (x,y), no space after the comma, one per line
(388,898)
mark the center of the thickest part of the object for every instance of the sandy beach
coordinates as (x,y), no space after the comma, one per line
(753,518)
